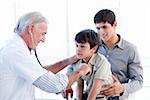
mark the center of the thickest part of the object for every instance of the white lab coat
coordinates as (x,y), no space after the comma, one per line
(18,70)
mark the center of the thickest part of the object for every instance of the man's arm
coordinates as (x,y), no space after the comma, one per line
(135,73)
(116,88)
(55,83)
(58,66)
(51,83)
(131,87)
(113,89)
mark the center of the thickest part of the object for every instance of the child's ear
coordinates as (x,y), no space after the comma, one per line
(95,48)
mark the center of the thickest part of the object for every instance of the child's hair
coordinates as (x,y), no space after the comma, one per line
(89,36)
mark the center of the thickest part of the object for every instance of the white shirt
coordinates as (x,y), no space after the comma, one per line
(18,70)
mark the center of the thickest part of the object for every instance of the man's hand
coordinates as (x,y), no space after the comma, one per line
(85,69)
(115,88)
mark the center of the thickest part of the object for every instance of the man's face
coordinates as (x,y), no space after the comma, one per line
(39,31)
(106,30)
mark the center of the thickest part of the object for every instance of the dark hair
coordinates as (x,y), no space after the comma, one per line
(89,36)
(105,15)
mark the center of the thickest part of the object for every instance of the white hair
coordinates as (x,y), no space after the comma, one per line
(28,19)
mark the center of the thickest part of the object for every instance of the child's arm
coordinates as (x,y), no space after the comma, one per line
(94,91)
(80,88)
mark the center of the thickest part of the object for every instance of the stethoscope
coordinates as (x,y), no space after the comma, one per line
(37,58)
(16,29)
(35,49)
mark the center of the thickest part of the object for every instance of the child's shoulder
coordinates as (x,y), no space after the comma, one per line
(99,56)
(100,59)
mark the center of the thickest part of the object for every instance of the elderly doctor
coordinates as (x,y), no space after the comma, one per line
(20,72)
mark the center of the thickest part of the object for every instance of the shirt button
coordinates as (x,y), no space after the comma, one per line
(107,56)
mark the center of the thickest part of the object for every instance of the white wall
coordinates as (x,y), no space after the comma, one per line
(68,17)
(6,19)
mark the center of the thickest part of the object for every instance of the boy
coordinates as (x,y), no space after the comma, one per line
(87,44)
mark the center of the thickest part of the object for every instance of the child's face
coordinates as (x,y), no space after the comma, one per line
(83,51)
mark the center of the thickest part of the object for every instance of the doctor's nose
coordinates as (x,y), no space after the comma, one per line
(43,39)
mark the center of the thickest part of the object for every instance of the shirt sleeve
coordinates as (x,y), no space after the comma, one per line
(131,87)
(103,71)
(52,83)
(136,74)
(70,69)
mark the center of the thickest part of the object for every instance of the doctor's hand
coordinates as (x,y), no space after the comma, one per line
(85,69)
(114,89)
(67,92)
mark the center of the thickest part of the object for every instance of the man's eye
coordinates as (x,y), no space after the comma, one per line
(82,46)
(104,27)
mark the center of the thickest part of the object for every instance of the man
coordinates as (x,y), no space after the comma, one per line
(20,72)
(122,55)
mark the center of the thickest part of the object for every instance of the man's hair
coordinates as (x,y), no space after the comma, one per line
(29,19)
(89,36)
(105,15)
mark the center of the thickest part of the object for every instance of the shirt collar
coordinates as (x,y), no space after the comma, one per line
(92,61)
(18,37)
(119,44)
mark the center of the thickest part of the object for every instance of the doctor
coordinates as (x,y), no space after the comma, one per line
(20,72)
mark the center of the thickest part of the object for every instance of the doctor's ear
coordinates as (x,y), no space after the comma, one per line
(30,29)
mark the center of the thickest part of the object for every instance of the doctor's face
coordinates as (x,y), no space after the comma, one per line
(38,34)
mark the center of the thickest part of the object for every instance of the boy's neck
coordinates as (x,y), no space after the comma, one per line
(86,60)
